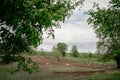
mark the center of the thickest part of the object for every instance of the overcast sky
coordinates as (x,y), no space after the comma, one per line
(75,31)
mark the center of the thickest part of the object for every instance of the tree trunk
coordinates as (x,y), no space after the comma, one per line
(118,61)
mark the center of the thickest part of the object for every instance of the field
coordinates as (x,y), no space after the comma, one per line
(68,68)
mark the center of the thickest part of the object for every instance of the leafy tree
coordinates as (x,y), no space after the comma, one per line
(62,47)
(22,23)
(74,51)
(106,23)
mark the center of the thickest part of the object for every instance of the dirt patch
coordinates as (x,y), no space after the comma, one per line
(80,73)
(44,60)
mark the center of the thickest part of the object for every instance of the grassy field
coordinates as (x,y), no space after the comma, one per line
(68,68)
(49,75)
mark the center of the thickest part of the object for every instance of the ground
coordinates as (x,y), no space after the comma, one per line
(52,69)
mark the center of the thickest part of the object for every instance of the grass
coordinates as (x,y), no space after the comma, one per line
(90,61)
(5,69)
(48,74)
(57,68)
(82,60)
(114,76)
(44,75)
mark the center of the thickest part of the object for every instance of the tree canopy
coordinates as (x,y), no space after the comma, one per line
(22,23)
(106,23)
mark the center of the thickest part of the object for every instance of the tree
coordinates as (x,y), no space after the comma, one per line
(62,47)
(74,51)
(22,23)
(106,23)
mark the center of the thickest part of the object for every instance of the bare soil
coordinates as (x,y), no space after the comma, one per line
(43,61)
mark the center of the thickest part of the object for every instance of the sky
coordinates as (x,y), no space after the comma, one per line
(75,31)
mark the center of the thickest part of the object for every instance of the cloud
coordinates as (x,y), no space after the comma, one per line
(79,34)
(75,31)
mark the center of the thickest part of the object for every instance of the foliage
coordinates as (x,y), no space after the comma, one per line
(106,22)
(27,65)
(74,51)
(22,22)
(62,47)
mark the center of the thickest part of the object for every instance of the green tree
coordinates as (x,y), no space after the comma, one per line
(74,51)
(62,47)
(106,23)
(22,23)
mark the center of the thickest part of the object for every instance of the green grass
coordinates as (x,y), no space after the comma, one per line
(90,61)
(82,60)
(70,68)
(4,69)
(114,76)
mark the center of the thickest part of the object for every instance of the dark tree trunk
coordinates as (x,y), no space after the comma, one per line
(118,61)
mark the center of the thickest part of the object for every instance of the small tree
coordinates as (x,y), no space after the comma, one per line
(74,51)
(62,47)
